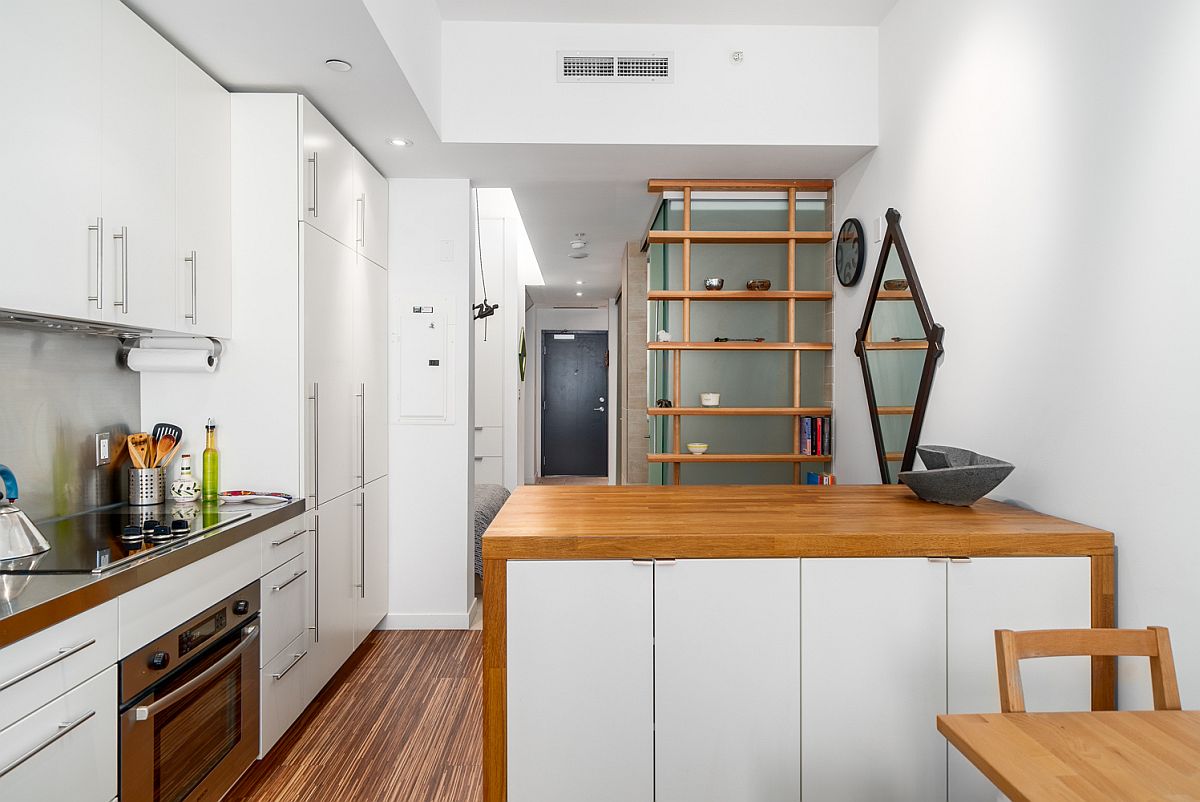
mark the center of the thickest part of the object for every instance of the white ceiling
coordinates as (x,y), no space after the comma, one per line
(678,12)
(281,45)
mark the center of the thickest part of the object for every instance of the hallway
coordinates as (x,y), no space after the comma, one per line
(401,722)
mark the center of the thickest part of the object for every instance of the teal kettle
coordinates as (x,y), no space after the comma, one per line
(18,536)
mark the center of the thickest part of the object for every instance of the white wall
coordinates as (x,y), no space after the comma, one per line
(432,534)
(541,319)
(1043,156)
(797,86)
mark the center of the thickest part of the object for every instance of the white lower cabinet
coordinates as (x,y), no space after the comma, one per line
(284,692)
(334,589)
(372,550)
(284,597)
(727,680)
(873,679)
(580,681)
(66,749)
(984,595)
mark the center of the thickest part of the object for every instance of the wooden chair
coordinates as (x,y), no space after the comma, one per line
(1152,642)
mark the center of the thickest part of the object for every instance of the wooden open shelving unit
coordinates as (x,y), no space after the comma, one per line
(687,237)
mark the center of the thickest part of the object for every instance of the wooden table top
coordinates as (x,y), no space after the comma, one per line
(1130,756)
(574,522)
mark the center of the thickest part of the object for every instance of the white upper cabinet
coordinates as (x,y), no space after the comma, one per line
(327,202)
(50,158)
(138,169)
(370,366)
(203,256)
(371,202)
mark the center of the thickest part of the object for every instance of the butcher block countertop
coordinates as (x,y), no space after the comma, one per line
(632,521)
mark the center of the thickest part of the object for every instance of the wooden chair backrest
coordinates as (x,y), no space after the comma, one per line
(1152,642)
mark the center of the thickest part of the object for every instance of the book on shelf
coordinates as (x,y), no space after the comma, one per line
(816,437)
(816,478)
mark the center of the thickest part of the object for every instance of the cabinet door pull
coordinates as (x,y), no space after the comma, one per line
(362,541)
(296,658)
(938,559)
(290,537)
(63,654)
(99,296)
(643,562)
(960,560)
(316,627)
(316,186)
(195,267)
(63,729)
(361,395)
(668,561)
(316,469)
(361,207)
(293,578)
(124,238)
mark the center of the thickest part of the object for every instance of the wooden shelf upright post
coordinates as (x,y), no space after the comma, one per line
(677,356)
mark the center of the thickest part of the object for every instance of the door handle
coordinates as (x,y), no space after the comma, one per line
(191,258)
(99,296)
(597,409)
(62,731)
(124,237)
(316,470)
(316,187)
(144,712)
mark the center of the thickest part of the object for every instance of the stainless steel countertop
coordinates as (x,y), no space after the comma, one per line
(47,599)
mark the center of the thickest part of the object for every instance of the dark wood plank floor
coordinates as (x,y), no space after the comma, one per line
(401,722)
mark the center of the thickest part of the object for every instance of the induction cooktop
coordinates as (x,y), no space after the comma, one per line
(104,539)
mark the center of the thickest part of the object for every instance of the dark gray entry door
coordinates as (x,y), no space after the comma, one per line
(574,403)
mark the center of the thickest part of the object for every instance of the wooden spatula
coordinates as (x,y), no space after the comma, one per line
(162,449)
(139,449)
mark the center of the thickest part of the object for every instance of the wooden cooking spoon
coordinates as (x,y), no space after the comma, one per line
(162,449)
(139,449)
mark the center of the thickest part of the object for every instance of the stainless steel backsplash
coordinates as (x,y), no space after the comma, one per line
(59,391)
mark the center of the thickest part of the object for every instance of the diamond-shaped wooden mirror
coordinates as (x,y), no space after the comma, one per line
(898,346)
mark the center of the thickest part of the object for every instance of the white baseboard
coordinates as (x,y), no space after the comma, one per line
(429,620)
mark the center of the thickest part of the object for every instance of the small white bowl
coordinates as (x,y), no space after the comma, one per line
(710,399)
(697,448)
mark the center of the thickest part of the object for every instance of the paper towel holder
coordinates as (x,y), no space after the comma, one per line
(180,342)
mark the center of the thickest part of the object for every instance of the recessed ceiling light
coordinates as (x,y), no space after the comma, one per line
(579,295)
(337,65)
(577,254)
(400,142)
(578,282)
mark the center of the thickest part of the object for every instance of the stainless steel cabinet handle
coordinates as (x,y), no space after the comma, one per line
(643,562)
(195,267)
(316,469)
(63,729)
(361,207)
(362,542)
(316,187)
(667,561)
(249,636)
(296,658)
(316,627)
(124,238)
(938,559)
(294,577)
(290,537)
(99,296)
(361,395)
(960,560)
(63,654)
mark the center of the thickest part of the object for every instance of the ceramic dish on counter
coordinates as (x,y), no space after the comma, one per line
(697,448)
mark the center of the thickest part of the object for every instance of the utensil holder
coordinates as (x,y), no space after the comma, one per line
(146,486)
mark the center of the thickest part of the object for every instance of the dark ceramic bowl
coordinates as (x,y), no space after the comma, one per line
(714,283)
(955,475)
(896,284)
(758,284)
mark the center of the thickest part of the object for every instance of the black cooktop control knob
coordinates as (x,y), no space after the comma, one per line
(159,660)
(179,527)
(241,607)
(149,524)
(131,532)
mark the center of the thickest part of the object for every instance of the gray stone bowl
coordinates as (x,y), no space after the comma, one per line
(955,475)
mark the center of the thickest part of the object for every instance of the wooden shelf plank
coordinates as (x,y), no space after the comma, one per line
(903,345)
(744,411)
(894,295)
(679,458)
(731,237)
(739,184)
(656,346)
(739,295)
(895,410)
(896,457)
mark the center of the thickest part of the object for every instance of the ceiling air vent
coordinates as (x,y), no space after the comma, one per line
(611,67)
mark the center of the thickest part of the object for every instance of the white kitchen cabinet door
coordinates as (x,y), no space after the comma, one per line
(370,367)
(138,169)
(66,749)
(327,162)
(727,680)
(580,681)
(371,605)
(50,159)
(489,470)
(873,632)
(203,258)
(283,694)
(334,579)
(1016,593)
(371,202)
(332,441)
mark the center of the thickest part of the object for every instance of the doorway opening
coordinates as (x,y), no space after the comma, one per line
(575,405)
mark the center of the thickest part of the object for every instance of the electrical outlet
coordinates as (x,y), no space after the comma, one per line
(103,457)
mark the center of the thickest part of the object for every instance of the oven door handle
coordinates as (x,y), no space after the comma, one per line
(249,638)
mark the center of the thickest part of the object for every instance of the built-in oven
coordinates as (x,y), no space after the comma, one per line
(189,706)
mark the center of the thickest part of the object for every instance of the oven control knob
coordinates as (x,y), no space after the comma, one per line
(241,607)
(159,660)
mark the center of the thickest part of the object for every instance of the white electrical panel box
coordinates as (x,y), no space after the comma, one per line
(425,371)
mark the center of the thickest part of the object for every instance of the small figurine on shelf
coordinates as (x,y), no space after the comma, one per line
(663,336)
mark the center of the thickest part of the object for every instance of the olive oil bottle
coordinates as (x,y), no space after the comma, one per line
(210,482)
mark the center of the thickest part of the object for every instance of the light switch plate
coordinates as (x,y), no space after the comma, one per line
(879,228)
(103,455)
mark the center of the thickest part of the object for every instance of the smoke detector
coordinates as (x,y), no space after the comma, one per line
(577,254)
(338,65)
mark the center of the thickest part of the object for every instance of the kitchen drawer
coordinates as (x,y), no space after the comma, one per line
(156,608)
(283,692)
(66,749)
(489,441)
(282,543)
(489,470)
(49,663)
(284,601)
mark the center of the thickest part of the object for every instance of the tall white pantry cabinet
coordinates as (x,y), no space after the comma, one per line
(326,218)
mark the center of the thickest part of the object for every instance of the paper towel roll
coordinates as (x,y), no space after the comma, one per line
(171,360)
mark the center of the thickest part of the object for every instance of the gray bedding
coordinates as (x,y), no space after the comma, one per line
(488,501)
